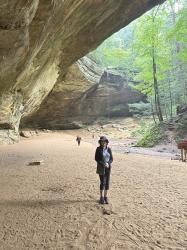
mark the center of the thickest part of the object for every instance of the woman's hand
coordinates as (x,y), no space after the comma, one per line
(106,165)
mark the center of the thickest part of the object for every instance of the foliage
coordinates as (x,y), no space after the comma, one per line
(144,126)
(114,51)
(155,47)
(141,108)
(149,134)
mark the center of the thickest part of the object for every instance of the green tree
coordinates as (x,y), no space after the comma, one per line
(152,56)
(153,50)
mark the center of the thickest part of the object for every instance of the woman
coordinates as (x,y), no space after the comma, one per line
(104,158)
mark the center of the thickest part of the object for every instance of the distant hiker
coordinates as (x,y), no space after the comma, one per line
(93,136)
(78,139)
(104,158)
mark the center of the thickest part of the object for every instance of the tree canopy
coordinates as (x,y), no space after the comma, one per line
(155,46)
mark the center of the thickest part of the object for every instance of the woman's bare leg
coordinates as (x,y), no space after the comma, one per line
(105,193)
(101,193)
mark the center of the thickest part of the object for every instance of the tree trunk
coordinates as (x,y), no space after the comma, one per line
(153,114)
(157,99)
(165,110)
(171,102)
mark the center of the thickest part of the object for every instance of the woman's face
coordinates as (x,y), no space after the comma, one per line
(103,144)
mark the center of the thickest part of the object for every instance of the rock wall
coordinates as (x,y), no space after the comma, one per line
(40,39)
(85,94)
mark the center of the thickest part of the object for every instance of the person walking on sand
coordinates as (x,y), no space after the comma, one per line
(78,139)
(104,158)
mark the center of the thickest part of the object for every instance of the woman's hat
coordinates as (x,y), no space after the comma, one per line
(103,138)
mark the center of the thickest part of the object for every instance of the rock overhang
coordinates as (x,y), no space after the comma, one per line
(42,38)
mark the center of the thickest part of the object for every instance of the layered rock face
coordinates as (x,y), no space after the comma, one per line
(85,94)
(40,39)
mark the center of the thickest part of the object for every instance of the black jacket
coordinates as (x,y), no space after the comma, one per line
(100,161)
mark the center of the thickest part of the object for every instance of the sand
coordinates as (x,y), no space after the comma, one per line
(55,205)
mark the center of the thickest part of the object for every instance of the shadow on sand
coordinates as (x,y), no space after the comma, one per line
(41,203)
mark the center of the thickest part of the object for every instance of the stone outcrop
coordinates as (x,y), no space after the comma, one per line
(86,93)
(40,39)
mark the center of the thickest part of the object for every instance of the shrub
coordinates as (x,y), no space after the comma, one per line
(149,134)
(140,108)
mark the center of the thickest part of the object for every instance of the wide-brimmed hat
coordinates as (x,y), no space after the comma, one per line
(103,138)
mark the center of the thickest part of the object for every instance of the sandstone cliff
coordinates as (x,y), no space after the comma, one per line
(86,93)
(40,39)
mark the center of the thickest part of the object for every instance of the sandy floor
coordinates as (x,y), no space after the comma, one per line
(55,205)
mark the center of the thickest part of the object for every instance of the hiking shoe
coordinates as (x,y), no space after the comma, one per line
(101,201)
(106,200)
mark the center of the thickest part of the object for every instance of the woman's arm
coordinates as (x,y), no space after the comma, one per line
(97,158)
(111,156)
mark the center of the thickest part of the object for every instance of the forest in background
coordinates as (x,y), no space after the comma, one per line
(153,51)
